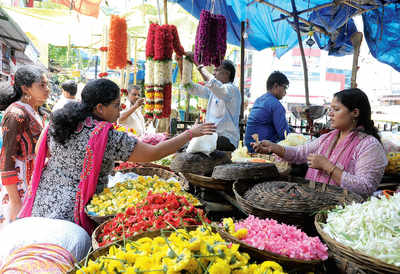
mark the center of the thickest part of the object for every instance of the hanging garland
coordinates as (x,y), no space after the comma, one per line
(187,73)
(210,44)
(160,44)
(117,48)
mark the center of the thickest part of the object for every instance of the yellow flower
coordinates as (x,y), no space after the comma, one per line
(143,263)
(240,234)
(269,267)
(219,267)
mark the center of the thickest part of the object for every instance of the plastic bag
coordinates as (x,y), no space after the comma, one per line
(34,230)
(205,144)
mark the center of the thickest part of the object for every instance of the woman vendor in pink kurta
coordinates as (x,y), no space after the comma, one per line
(360,156)
(350,156)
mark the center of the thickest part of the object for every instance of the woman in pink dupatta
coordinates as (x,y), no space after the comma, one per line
(82,146)
(351,156)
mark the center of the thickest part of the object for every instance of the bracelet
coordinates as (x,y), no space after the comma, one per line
(199,67)
(190,133)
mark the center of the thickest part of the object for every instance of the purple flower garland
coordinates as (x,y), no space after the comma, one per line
(210,44)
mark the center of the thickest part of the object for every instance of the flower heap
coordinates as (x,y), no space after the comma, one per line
(210,44)
(160,44)
(197,251)
(282,239)
(157,211)
(130,192)
(118,41)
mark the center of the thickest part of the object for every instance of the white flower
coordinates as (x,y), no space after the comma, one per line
(149,75)
(187,69)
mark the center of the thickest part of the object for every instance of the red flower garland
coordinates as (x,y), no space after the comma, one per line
(179,50)
(117,50)
(163,48)
(167,101)
(150,40)
(103,74)
(103,48)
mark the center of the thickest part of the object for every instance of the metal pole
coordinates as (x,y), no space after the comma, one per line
(303,57)
(242,55)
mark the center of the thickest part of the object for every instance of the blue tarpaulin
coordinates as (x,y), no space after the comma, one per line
(262,32)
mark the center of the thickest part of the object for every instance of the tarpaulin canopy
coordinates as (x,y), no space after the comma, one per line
(329,22)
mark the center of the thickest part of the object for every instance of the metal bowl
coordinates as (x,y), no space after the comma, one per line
(304,112)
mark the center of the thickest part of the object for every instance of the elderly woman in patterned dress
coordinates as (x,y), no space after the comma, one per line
(351,156)
(83,147)
(21,126)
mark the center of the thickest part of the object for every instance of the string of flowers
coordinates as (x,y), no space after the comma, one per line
(210,44)
(187,72)
(118,41)
(160,44)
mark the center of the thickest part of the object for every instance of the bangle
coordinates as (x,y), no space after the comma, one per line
(199,67)
(190,133)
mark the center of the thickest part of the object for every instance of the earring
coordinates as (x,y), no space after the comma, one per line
(27,97)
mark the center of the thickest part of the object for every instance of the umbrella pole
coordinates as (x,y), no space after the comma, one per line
(242,55)
(356,40)
(303,57)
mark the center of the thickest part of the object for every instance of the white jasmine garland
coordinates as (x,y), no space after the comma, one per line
(149,75)
(372,227)
(187,69)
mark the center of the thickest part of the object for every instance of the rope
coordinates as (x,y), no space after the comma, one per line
(159,12)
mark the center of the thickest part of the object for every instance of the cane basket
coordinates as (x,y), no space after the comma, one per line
(143,171)
(208,182)
(348,260)
(263,255)
(289,200)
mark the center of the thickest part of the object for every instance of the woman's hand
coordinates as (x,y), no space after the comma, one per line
(318,162)
(13,209)
(203,129)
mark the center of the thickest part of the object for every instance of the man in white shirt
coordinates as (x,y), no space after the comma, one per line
(132,116)
(224,102)
(69,89)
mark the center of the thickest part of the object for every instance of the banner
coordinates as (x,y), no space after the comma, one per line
(85,7)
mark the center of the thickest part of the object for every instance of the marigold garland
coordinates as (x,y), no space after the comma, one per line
(118,41)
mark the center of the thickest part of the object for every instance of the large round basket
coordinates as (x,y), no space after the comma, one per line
(95,234)
(263,255)
(144,171)
(348,260)
(104,250)
(208,182)
(289,200)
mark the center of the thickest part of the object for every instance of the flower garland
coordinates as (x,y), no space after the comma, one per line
(117,49)
(210,44)
(160,44)
(187,73)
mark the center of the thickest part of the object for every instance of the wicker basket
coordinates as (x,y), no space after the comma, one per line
(262,255)
(349,260)
(143,171)
(293,203)
(95,234)
(104,250)
(208,182)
